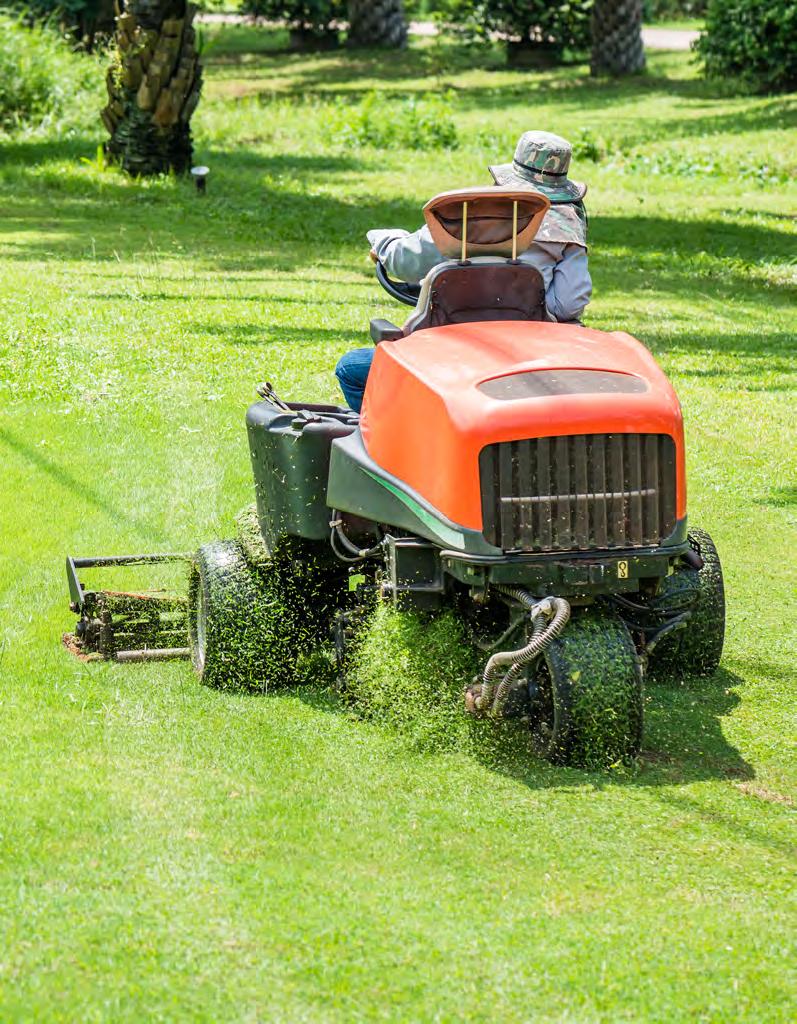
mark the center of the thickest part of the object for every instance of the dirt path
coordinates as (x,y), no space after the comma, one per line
(668,38)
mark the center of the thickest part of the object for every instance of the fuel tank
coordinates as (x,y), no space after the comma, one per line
(444,406)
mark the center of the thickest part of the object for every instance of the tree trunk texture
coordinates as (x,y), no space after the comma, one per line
(153,84)
(377,23)
(617,37)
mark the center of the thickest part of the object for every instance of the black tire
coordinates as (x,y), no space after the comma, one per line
(231,622)
(255,627)
(586,701)
(696,649)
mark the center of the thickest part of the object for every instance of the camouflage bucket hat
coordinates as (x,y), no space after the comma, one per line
(541,163)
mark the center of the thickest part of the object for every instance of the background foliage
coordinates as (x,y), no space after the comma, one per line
(83,19)
(752,40)
(535,23)
(308,17)
(654,10)
(44,86)
(414,122)
(659,10)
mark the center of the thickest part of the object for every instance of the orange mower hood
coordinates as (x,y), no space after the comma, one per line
(434,399)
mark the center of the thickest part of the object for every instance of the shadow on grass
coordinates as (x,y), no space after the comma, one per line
(82,491)
(336,76)
(683,740)
(245,223)
(779,497)
(274,229)
(730,825)
(254,334)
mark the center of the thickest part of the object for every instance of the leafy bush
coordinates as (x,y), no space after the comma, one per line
(307,18)
(43,84)
(661,10)
(587,145)
(423,123)
(83,19)
(752,40)
(533,25)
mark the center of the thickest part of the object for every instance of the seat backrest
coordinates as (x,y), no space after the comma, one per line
(494,221)
(479,290)
(481,227)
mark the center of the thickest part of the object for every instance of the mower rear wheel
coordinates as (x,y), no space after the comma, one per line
(695,649)
(585,694)
(230,621)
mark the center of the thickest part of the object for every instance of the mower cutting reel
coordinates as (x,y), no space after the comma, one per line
(126,625)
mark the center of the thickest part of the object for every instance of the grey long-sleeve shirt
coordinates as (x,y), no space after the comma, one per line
(563,266)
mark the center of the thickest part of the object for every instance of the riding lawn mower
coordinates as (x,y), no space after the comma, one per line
(525,475)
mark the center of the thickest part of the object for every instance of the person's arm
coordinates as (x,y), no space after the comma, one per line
(571,286)
(405,257)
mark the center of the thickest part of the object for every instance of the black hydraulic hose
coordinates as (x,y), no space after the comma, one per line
(353,553)
(556,610)
(537,627)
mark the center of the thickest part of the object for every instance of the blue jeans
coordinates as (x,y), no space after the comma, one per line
(352,373)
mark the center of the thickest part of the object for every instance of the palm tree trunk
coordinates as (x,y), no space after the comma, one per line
(153,87)
(377,23)
(617,47)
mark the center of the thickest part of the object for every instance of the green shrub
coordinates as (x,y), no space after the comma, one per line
(754,41)
(530,25)
(307,19)
(43,84)
(587,145)
(423,123)
(83,19)
(662,10)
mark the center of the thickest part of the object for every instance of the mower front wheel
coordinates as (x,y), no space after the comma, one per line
(585,694)
(696,648)
(229,619)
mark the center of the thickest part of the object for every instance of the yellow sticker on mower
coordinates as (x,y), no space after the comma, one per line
(622,570)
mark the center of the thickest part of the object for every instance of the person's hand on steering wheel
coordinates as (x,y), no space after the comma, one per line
(399,290)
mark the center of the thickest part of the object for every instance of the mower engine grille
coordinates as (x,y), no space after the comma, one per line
(582,492)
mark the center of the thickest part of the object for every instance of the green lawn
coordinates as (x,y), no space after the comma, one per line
(168,852)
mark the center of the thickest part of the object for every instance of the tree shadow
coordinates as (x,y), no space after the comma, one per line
(337,77)
(261,215)
(259,334)
(273,224)
(677,239)
(683,741)
(85,491)
(779,497)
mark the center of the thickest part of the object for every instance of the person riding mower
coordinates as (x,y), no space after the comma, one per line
(523,475)
(559,251)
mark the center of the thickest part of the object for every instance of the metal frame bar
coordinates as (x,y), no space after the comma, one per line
(76,591)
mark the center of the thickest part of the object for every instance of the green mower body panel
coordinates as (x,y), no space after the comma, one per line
(290,451)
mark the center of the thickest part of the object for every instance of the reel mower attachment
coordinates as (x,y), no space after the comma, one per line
(150,625)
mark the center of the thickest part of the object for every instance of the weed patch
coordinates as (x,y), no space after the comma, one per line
(419,123)
(44,86)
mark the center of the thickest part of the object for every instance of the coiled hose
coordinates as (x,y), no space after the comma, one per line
(557,613)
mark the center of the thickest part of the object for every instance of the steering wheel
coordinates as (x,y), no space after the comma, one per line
(406,293)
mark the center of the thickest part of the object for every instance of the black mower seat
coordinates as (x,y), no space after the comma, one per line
(479,290)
